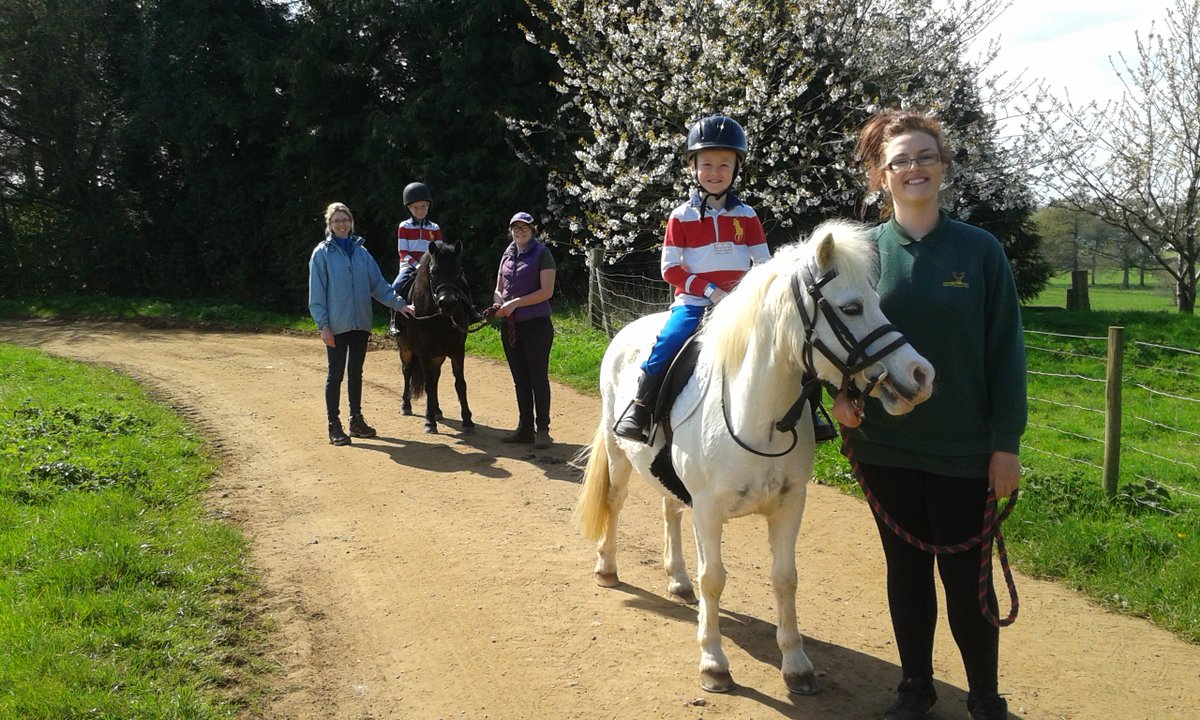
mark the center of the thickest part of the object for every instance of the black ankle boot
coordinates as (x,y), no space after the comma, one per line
(359,427)
(336,435)
(522,435)
(987,706)
(916,699)
(634,423)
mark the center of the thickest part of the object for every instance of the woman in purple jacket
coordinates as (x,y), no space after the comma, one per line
(524,285)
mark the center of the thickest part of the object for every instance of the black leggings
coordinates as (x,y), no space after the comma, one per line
(940,510)
(352,343)
(527,348)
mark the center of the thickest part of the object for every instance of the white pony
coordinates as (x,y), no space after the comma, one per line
(812,307)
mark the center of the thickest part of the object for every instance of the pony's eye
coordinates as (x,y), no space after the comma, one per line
(853,309)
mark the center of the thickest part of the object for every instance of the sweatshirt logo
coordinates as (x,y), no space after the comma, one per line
(738,231)
(959,281)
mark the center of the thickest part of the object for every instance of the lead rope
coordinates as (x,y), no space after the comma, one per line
(991,533)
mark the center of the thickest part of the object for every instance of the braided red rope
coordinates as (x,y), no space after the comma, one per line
(991,533)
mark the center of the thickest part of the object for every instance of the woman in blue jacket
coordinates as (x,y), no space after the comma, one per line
(342,279)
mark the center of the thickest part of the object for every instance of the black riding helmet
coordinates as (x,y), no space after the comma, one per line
(717,132)
(416,191)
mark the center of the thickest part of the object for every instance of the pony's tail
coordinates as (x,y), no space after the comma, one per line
(417,381)
(591,510)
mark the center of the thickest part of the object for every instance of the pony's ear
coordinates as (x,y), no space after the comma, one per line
(824,253)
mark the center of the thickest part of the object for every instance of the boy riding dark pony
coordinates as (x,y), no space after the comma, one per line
(444,312)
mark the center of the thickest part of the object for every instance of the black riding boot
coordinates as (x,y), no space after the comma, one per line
(634,424)
(823,429)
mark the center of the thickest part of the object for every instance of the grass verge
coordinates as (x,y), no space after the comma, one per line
(119,596)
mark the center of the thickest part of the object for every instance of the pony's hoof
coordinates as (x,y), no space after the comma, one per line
(687,597)
(716,681)
(608,580)
(406,410)
(804,683)
(431,429)
(468,429)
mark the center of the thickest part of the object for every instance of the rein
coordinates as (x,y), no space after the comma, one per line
(991,533)
(857,358)
(453,290)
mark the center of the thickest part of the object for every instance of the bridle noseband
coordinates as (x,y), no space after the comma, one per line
(857,358)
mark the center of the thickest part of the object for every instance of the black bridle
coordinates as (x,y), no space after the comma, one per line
(450,292)
(857,359)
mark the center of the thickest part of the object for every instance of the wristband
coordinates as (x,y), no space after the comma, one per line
(708,291)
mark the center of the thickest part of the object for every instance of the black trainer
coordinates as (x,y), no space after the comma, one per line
(917,698)
(987,706)
(336,435)
(359,427)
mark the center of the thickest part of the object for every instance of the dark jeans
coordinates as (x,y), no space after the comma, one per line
(940,510)
(353,344)
(528,354)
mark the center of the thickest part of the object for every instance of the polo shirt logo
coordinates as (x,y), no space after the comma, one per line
(959,281)
(738,232)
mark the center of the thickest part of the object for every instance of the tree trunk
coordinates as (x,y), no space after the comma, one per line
(1186,296)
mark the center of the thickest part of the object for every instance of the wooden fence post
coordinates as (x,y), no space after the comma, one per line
(1077,295)
(1112,409)
(594,310)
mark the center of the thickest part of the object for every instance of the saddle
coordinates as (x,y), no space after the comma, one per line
(676,378)
(678,374)
(406,288)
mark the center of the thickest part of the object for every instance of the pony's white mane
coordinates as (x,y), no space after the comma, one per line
(762,311)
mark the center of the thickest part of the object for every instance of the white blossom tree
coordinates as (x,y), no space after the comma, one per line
(1135,163)
(800,75)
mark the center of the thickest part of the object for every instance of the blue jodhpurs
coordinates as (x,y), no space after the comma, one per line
(680,326)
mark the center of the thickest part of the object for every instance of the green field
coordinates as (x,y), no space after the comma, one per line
(1108,294)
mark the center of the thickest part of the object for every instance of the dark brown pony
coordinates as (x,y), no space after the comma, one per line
(438,331)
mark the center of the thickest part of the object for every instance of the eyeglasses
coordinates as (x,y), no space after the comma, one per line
(908,163)
(335,221)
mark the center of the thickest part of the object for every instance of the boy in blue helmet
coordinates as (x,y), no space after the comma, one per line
(712,239)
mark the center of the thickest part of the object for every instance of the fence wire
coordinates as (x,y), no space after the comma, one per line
(1151,441)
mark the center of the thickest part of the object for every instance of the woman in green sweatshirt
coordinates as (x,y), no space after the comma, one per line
(949,287)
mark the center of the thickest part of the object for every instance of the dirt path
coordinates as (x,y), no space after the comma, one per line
(438,576)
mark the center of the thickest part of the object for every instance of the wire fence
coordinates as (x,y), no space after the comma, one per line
(1156,409)
(622,292)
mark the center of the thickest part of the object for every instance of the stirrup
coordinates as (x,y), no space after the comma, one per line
(631,416)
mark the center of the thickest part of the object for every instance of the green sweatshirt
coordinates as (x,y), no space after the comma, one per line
(952,295)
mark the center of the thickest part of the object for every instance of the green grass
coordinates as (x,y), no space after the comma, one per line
(118,596)
(574,357)
(1107,293)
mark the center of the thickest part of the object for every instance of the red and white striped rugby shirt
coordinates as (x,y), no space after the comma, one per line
(413,238)
(717,247)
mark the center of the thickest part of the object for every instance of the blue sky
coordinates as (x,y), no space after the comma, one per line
(1068,42)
